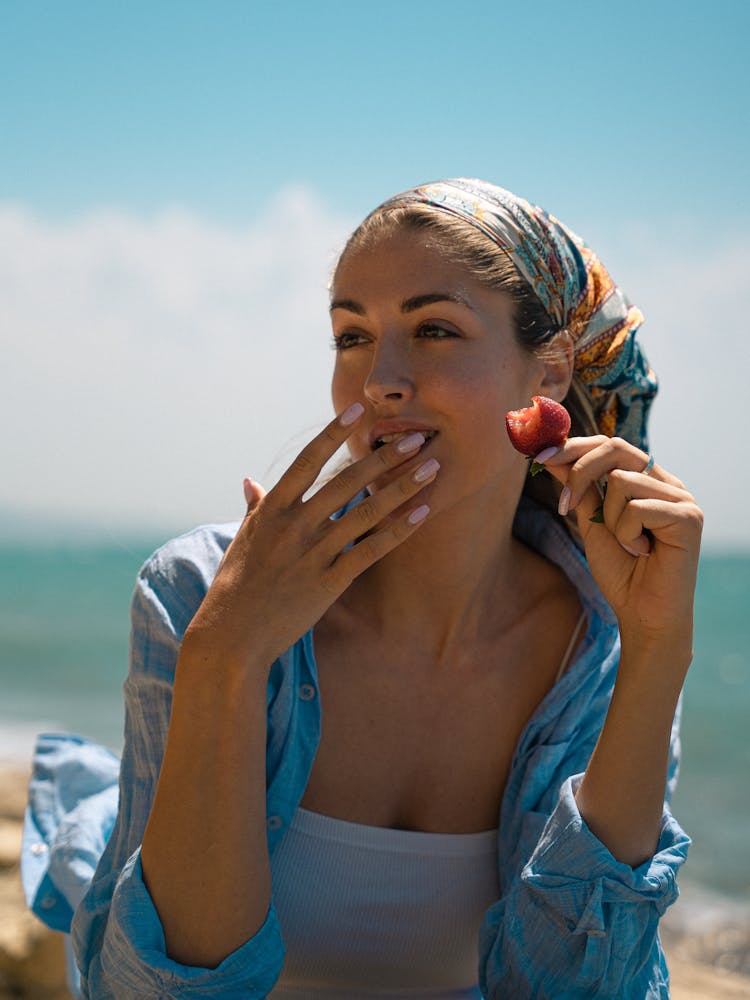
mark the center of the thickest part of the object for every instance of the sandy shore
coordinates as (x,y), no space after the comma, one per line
(708,949)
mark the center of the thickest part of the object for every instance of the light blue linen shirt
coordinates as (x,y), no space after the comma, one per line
(571,921)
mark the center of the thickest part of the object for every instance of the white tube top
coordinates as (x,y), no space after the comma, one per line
(372,912)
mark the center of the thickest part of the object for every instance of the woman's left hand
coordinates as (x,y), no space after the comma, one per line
(642,541)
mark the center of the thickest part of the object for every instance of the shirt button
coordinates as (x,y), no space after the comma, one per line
(274,822)
(48,903)
(306,692)
(37,849)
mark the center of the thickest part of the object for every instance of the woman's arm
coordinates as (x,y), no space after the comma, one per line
(643,552)
(117,935)
(204,856)
(572,920)
(594,871)
(282,571)
(621,794)
(203,872)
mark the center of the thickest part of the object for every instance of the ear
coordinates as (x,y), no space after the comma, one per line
(557,366)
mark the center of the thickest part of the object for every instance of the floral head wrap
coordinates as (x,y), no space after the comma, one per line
(573,286)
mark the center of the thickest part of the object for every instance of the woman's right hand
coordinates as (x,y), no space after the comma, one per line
(288,564)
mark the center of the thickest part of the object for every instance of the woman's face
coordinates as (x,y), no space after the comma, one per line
(425,347)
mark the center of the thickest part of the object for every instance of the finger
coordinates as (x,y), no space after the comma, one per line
(581,462)
(374,546)
(622,488)
(599,505)
(306,467)
(675,524)
(352,479)
(253,492)
(591,458)
(369,514)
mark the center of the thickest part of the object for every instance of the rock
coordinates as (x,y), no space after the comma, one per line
(32,957)
(14,785)
(694,981)
(10,843)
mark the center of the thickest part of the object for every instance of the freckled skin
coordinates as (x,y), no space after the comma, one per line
(454,366)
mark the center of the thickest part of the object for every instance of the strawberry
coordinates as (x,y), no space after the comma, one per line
(542,425)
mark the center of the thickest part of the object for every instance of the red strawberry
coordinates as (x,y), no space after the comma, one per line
(543,425)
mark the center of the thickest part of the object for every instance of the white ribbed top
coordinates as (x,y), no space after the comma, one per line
(372,912)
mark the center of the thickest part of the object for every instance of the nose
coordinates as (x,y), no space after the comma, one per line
(391,377)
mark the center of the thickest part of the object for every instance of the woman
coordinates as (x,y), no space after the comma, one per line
(403,725)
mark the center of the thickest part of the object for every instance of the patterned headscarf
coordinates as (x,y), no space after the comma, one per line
(573,286)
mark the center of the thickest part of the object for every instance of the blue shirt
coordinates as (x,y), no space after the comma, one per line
(571,921)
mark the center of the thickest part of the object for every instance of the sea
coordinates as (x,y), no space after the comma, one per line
(64,623)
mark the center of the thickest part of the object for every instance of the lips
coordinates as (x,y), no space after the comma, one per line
(387,438)
(386,431)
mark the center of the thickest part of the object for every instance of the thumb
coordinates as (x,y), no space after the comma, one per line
(254,493)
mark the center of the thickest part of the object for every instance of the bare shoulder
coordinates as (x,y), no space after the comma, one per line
(549,615)
(543,586)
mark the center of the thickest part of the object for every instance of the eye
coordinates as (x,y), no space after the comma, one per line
(343,341)
(435,331)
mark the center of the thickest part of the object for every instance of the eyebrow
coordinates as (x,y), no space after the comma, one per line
(408,305)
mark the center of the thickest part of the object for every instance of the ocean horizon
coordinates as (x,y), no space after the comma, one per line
(64,625)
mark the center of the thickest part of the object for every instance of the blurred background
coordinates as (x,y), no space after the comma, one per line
(175,181)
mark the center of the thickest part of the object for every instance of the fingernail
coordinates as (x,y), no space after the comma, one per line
(426,471)
(543,456)
(410,443)
(247,489)
(564,502)
(351,413)
(633,552)
(419,514)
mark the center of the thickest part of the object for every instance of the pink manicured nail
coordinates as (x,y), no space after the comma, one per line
(351,413)
(563,504)
(427,470)
(543,456)
(410,443)
(247,489)
(419,514)
(633,552)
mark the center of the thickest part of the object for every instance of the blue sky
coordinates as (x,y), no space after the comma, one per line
(175,178)
(628,107)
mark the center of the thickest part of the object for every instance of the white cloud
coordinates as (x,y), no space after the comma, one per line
(148,364)
(694,291)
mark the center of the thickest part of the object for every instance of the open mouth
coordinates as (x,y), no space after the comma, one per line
(387,438)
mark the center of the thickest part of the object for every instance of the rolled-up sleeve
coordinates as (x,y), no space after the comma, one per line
(572,921)
(578,923)
(133,961)
(117,935)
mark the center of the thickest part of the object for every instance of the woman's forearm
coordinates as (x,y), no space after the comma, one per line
(621,795)
(204,853)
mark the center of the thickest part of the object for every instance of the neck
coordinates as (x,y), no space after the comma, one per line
(443,584)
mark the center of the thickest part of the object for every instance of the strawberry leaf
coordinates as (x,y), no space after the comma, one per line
(598,516)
